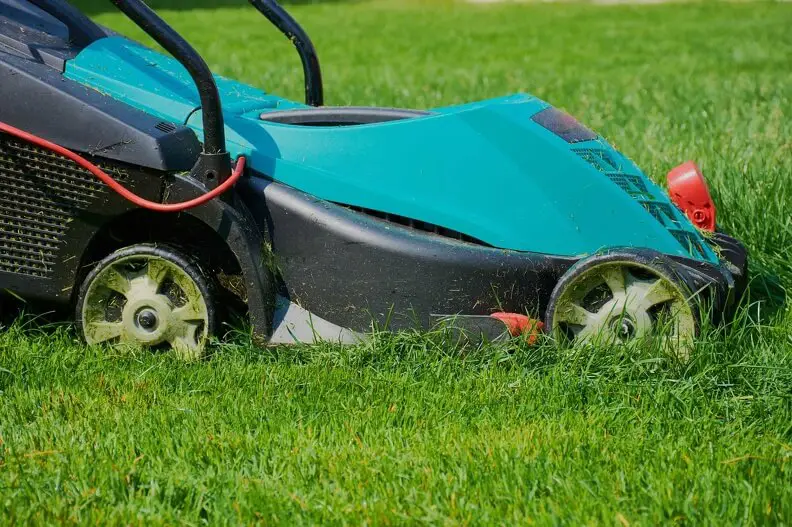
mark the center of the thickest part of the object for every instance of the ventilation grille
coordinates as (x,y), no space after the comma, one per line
(162,126)
(39,194)
(600,159)
(635,186)
(417,225)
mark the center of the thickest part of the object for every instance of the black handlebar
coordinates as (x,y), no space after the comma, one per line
(211,109)
(82,31)
(159,30)
(280,18)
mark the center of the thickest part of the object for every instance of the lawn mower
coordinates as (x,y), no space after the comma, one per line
(152,197)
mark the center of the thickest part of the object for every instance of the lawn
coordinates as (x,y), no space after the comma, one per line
(407,429)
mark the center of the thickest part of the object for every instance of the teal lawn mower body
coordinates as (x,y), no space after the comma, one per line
(495,217)
(486,169)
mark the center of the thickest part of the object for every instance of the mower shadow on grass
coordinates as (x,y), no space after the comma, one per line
(97,7)
(766,296)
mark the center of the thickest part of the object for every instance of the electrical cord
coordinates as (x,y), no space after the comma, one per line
(130,196)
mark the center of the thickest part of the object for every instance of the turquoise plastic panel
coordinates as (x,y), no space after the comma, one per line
(157,84)
(484,169)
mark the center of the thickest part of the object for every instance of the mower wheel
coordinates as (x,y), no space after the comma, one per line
(620,297)
(148,295)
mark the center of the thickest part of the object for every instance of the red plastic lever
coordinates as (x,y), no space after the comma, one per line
(689,192)
(518,324)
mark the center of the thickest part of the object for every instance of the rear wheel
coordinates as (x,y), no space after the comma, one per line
(148,295)
(620,298)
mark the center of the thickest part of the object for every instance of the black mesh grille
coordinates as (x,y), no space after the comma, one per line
(605,163)
(418,225)
(600,159)
(39,194)
(632,185)
(663,213)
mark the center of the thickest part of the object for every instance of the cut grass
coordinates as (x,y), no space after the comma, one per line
(408,428)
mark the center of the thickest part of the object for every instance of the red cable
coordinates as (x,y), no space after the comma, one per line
(120,189)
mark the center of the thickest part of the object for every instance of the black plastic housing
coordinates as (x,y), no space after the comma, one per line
(349,268)
(38,99)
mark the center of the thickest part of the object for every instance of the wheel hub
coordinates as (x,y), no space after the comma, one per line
(147,319)
(623,327)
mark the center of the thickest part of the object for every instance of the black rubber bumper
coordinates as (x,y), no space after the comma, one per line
(723,285)
(349,267)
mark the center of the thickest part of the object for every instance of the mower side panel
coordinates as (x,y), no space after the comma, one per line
(486,170)
(351,269)
(230,219)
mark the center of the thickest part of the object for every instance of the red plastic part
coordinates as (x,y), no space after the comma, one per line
(120,189)
(518,324)
(689,192)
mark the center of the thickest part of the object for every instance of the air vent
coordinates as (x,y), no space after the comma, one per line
(563,125)
(632,185)
(417,225)
(40,192)
(665,213)
(605,162)
(599,159)
(162,126)
(691,242)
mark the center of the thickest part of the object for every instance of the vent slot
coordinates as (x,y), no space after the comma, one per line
(665,214)
(690,242)
(40,193)
(599,159)
(162,126)
(418,225)
(632,185)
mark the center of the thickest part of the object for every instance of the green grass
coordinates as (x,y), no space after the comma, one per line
(407,428)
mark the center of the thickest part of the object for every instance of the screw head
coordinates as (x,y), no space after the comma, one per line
(626,329)
(623,327)
(147,319)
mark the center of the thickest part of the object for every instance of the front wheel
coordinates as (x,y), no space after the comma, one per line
(620,298)
(148,295)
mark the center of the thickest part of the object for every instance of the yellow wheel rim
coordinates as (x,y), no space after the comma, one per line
(623,301)
(146,300)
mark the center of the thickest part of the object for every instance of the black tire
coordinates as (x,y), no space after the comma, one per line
(736,255)
(184,284)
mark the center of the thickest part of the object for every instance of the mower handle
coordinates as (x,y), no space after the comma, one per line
(82,30)
(280,18)
(211,109)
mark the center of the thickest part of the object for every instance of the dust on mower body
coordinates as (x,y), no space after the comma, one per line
(506,207)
